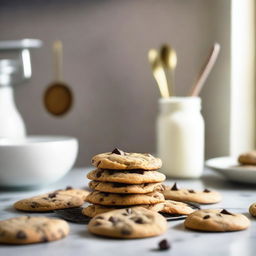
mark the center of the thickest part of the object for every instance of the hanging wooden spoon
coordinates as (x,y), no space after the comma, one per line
(58,97)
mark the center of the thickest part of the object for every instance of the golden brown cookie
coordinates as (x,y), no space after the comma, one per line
(124,188)
(120,160)
(28,230)
(136,222)
(202,197)
(59,199)
(252,209)
(174,207)
(248,158)
(127,177)
(103,198)
(216,221)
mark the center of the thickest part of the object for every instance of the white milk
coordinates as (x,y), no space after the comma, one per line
(180,137)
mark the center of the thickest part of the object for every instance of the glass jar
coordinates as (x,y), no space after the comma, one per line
(180,137)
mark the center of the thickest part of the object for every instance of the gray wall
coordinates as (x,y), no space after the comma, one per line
(105,63)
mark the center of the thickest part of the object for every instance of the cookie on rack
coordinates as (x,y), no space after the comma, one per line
(216,221)
(127,176)
(124,188)
(103,198)
(59,199)
(28,230)
(128,223)
(202,197)
(120,160)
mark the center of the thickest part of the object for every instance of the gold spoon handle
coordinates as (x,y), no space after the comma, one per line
(206,70)
(58,60)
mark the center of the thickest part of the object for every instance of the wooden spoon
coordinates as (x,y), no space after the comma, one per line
(58,97)
(206,70)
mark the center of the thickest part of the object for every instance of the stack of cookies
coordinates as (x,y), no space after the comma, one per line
(124,180)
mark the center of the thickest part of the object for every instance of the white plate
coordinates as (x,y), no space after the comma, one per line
(229,167)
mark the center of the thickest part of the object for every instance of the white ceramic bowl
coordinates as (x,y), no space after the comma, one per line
(36,160)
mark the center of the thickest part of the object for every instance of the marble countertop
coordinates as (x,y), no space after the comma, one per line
(236,197)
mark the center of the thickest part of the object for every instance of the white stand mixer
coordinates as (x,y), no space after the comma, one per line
(27,161)
(12,72)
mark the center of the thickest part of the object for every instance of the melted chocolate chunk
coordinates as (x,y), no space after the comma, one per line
(118,152)
(224,211)
(174,187)
(164,245)
(52,195)
(34,204)
(69,188)
(99,173)
(206,217)
(21,235)
(114,220)
(127,230)
(191,191)
(206,190)
(137,220)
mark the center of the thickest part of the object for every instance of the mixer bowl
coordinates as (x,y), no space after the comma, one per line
(36,160)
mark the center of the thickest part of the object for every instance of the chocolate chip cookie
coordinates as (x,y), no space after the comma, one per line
(216,221)
(127,177)
(124,188)
(120,160)
(103,198)
(202,197)
(252,209)
(28,230)
(59,199)
(248,158)
(136,222)
(174,207)
(93,210)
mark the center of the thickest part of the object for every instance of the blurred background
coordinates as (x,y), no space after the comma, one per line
(105,62)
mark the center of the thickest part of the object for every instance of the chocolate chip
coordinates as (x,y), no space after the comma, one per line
(69,188)
(206,190)
(191,191)
(137,220)
(206,217)
(224,211)
(44,239)
(174,187)
(99,173)
(118,152)
(21,235)
(164,245)
(98,163)
(34,204)
(52,195)
(114,220)
(126,230)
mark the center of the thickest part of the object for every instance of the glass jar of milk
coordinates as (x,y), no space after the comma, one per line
(180,137)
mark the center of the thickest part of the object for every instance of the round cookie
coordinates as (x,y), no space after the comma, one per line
(174,207)
(190,195)
(93,210)
(252,209)
(127,177)
(136,222)
(124,188)
(119,160)
(28,230)
(248,158)
(59,199)
(103,198)
(216,221)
